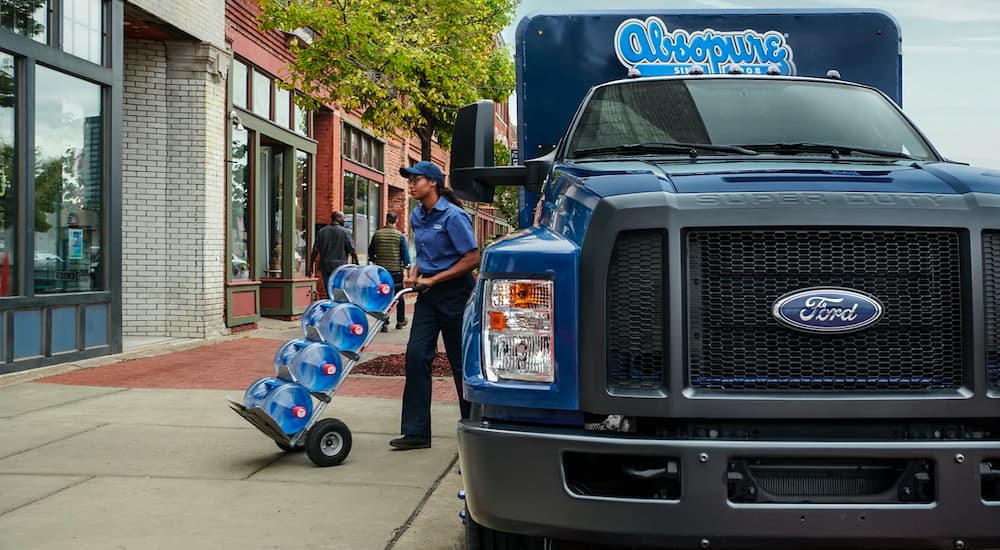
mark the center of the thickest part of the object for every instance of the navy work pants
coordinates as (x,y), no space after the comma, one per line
(438,311)
(397,279)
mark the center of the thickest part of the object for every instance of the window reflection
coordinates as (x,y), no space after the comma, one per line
(271,174)
(239,80)
(282,99)
(82,29)
(68,184)
(301,211)
(261,94)
(301,120)
(362,207)
(26,17)
(240,206)
(8,195)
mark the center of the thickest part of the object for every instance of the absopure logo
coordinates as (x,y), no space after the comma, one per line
(827,310)
(650,48)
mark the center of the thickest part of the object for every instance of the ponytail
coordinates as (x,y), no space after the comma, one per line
(449,194)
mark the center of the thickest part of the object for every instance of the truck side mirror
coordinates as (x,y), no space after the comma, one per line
(473,175)
(472,139)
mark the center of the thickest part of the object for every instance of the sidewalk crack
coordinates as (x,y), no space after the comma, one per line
(399,531)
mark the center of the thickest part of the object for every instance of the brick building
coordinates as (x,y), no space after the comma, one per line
(176,188)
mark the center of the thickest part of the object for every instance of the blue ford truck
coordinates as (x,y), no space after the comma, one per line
(751,306)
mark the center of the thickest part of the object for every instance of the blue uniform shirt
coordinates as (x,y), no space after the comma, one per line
(443,235)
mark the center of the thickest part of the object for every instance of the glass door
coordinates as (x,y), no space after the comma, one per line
(271,179)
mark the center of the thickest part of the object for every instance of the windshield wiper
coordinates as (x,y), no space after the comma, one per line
(690,149)
(835,151)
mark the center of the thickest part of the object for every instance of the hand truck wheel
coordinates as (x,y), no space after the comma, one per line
(328,442)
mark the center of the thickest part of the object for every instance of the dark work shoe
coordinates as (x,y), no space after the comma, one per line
(385,328)
(401,324)
(408,442)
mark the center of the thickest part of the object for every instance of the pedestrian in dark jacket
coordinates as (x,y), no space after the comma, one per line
(446,255)
(333,246)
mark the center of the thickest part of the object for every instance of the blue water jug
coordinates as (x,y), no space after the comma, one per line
(287,351)
(260,389)
(369,287)
(317,367)
(312,314)
(336,279)
(344,326)
(290,405)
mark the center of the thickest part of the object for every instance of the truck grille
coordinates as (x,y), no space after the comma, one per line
(734,277)
(636,306)
(991,299)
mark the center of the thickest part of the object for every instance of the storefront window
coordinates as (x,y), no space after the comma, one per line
(374,208)
(350,181)
(240,206)
(8,195)
(272,176)
(239,80)
(83,29)
(282,107)
(68,183)
(301,211)
(301,120)
(26,17)
(362,207)
(261,95)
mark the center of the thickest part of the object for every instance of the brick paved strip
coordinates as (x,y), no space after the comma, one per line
(231,366)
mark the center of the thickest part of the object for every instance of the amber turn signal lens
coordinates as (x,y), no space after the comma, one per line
(529,295)
(498,320)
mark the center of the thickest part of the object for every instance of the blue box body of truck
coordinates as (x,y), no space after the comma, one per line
(752,306)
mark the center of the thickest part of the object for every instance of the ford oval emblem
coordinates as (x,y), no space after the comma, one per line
(827,310)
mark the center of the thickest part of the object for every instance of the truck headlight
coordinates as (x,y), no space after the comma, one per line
(517,330)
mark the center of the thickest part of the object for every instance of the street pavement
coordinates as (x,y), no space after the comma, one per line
(140,451)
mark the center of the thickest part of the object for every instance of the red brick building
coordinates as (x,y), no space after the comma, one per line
(289,169)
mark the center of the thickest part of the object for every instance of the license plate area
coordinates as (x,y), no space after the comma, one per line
(776,480)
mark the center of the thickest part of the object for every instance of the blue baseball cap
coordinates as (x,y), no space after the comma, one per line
(424,168)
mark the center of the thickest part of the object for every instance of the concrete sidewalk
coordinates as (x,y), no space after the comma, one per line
(123,460)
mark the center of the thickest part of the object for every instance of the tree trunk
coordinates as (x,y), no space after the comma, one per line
(425,136)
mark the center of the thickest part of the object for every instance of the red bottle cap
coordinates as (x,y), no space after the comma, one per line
(329,369)
(357,329)
(384,289)
(299,411)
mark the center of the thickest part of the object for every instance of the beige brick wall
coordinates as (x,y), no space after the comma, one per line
(173,191)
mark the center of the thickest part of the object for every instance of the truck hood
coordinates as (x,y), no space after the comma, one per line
(606,178)
(576,189)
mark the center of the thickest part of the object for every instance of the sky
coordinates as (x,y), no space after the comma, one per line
(951,61)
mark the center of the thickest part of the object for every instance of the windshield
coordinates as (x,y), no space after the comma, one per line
(743,112)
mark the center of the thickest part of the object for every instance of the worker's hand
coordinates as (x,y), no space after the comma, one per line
(407,280)
(427,282)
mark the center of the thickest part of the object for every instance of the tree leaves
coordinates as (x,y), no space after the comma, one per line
(407,64)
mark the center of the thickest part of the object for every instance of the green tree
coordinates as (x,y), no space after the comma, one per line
(505,198)
(408,64)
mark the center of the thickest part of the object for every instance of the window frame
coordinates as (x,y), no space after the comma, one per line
(357,143)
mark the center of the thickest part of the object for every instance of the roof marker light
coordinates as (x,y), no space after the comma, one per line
(634,73)
(833,74)
(735,69)
(773,70)
(696,70)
